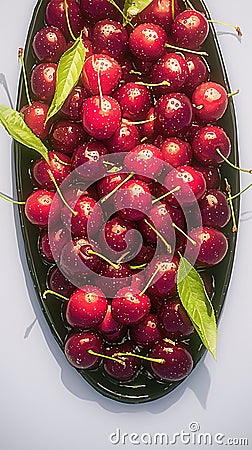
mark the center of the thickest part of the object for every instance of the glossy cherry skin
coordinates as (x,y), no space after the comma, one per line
(146,333)
(56,16)
(109,325)
(173,113)
(57,282)
(145,160)
(190,29)
(44,247)
(206,142)
(117,235)
(148,128)
(86,307)
(101,118)
(88,219)
(197,72)
(109,183)
(192,185)
(111,279)
(133,200)
(66,135)
(51,243)
(130,366)
(160,13)
(59,165)
(49,44)
(214,208)
(173,320)
(43,81)
(147,41)
(101,68)
(76,262)
(35,116)
(209,101)
(178,361)
(144,256)
(176,152)
(110,38)
(129,306)
(211,175)
(211,246)
(87,160)
(164,283)
(125,138)
(135,101)
(77,346)
(38,207)
(72,108)
(172,68)
(96,10)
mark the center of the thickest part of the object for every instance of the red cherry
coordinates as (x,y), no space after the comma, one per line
(59,165)
(130,306)
(88,219)
(214,208)
(96,10)
(176,152)
(72,108)
(206,142)
(146,333)
(77,346)
(147,41)
(135,101)
(173,113)
(86,307)
(133,200)
(211,175)
(174,321)
(172,68)
(109,183)
(164,283)
(35,116)
(209,101)
(124,139)
(178,362)
(160,13)
(110,38)
(66,135)
(117,235)
(190,29)
(130,364)
(56,15)
(197,73)
(145,160)
(49,44)
(57,282)
(192,185)
(101,118)
(76,262)
(45,247)
(101,68)
(148,128)
(112,279)
(38,207)
(211,246)
(87,160)
(43,81)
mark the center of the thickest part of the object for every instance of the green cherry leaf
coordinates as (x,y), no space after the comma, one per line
(134,7)
(198,306)
(15,125)
(67,75)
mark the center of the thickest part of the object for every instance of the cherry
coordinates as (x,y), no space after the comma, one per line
(87,160)
(173,320)
(211,246)
(96,10)
(45,247)
(164,282)
(173,113)
(109,325)
(43,81)
(72,108)
(59,165)
(160,13)
(124,139)
(57,282)
(147,41)
(38,207)
(130,306)
(127,68)
(88,47)
(52,241)
(66,135)
(211,175)
(76,261)
(146,333)
(209,101)
(86,307)
(87,219)
(135,101)
(144,256)
(206,142)
(56,16)
(117,278)
(49,44)
(192,185)
(101,117)
(109,183)
(188,133)
(117,235)
(117,336)
(133,200)
(178,362)
(101,72)
(35,117)
(190,29)
(110,38)
(148,128)
(129,366)
(171,68)
(146,160)
(77,349)
(198,72)
(214,208)
(176,152)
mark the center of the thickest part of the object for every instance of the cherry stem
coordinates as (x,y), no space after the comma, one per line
(91,352)
(236,27)
(15,202)
(228,189)
(169,341)
(190,5)
(92,252)
(173,9)
(177,188)
(140,266)
(162,83)
(68,21)
(121,12)
(21,59)
(64,163)
(146,358)
(144,139)
(231,94)
(233,165)
(186,50)
(49,291)
(150,281)
(104,199)
(135,72)
(240,193)
(75,213)
(193,242)
(159,235)
(99,85)
(142,122)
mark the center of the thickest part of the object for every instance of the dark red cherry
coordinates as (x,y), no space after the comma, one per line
(117,235)
(173,113)
(45,247)
(101,117)
(135,101)
(192,185)
(66,135)
(164,283)
(129,366)
(87,160)
(209,101)
(101,70)
(172,68)
(56,16)
(57,282)
(124,139)
(147,41)
(109,183)
(146,333)
(96,10)
(190,29)
(211,175)
(176,152)
(206,142)
(198,72)
(52,241)
(59,165)
(86,307)
(130,306)
(35,116)
(145,160)
(72,108)
(160,13)
(109,325)
(77,346)
(43,81)
(144,256)
(127,67)
(133,200)
(110,38)
(148,128)
(88,219)
(211,246)
(49,44)
(38,207)
(178,362)
(112,279)
(173,320)
(75,260)
(214,208)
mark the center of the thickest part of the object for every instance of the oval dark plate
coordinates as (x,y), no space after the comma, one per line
(144,387)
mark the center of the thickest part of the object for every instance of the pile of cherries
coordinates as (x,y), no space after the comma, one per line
(136,147)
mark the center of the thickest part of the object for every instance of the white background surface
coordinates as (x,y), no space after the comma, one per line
(44,404)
